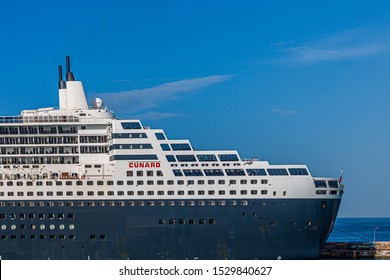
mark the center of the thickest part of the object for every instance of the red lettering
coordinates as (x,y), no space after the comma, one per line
(144,164)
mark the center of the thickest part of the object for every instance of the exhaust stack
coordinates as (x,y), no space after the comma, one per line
(62,92)
(69,74)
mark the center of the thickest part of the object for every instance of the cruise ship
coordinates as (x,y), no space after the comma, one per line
(78,183)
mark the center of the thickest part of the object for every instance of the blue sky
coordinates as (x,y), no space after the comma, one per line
(286,81)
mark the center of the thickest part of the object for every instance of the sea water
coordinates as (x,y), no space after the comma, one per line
(360,230)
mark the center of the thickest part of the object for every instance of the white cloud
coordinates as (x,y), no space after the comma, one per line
(155,116)
(143,99)
(343,45)
(284,112)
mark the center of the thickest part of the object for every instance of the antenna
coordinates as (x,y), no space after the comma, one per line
(69,74)
(61,83)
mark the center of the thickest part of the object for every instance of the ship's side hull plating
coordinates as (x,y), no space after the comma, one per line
(169,229)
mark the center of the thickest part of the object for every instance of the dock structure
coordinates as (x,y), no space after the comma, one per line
(355,250)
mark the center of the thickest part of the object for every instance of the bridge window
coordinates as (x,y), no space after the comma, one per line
(160,136)
(181,147)
(228,157)
(256,172)
(131,125)
(298,171)
(206,157)
(277,172)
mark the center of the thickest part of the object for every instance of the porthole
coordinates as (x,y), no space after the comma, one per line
(3,227)
(52,227)
(42,227)
(62,227)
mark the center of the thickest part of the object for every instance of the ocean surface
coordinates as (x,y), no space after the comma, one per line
(360,230)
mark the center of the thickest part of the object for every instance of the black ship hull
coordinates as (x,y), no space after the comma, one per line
(166,229)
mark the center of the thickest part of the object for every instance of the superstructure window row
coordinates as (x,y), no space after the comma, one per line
(38,140)
(37,130)
(128,135)
(128,193)
(241,172)
(130,146)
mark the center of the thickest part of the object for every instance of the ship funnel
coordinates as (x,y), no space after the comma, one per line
(69,74)
(62,92)
(75,94)
(61,83)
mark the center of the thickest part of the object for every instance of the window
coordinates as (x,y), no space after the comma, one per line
(181,147)
(131,125)
(235,172)
(264,192)
(228,157)
(206,157)
(193,172)
(333,184)
(213,172)
(129,135)
(160,136)
(320,183)
(277,172)
(186,158)
(177,172)
(256,172)
(165,147)
(321,192)
(170,158)
(129,173)
(298,171)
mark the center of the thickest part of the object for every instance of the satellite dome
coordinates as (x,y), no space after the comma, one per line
(97,103)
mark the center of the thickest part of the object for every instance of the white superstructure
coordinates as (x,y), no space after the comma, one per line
(84,152)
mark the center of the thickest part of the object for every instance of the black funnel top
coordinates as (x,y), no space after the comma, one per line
(61,83)
(69,74)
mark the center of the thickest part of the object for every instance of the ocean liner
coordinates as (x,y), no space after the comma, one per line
(78,183)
